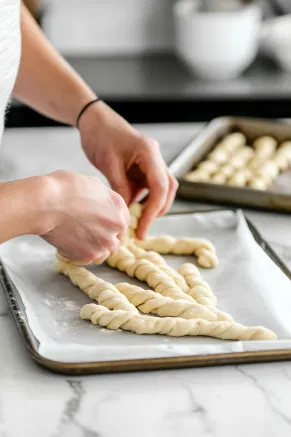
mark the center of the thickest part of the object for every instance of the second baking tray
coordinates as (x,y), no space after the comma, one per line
(277,198)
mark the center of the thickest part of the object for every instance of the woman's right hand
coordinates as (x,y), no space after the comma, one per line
(80,216)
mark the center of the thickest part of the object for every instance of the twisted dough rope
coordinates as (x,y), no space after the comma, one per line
(104,292)
(199,289)
(231,142)
(108,294)
(166,244)
(264,150)
(175,327)
(145,271)
(158,260)
(209,170)
(236,161)
(265,174)
(150,302)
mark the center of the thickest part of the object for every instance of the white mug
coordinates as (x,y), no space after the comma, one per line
(217,45)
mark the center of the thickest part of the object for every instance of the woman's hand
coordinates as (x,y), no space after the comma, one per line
(80,216)
(130,161)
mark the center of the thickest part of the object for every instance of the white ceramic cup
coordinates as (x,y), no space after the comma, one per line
(216,45)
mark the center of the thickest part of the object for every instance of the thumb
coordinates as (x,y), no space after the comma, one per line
(119,182)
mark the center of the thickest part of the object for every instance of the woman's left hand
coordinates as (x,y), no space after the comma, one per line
(130,161)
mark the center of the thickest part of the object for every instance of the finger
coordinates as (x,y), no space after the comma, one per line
(78,257)
(119,181)
(158,183)
(120,205)
(101,258)
(173,186)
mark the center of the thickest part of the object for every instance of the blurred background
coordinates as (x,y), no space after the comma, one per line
(169,61)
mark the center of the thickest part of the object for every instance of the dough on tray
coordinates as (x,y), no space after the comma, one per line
(233,163)
(181,302)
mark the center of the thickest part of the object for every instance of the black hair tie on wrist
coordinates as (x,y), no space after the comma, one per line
(84,109)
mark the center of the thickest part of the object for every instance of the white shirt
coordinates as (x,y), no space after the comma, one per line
(9,62)
(9,52)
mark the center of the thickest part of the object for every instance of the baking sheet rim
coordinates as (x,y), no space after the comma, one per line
(116,366)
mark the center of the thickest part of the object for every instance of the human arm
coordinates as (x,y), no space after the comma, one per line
(129,160)
(77,214)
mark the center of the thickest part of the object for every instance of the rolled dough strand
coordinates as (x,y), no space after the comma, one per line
(265,148)
(159,261)
(240,178)
(283,156)
(199,289)
(218,156)
(241,157)
(172,326)
(199,175)
(135,211)
(209,166)
(219,178)
(145,271)
(236,161)
(150,302)
(231,142)
(202,249)
(104,292)
(266,173)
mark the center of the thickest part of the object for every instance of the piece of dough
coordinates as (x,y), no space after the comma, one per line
(202,249)
(104,292)
(226,170)
(172,326)
(198,288)
(159,261)
(218,178)
(218,156)
(208,166)
(241,157)
(151,302)
(240,178)
(265,174)
(258,184)
(236,161)
(231,142)
(145,271)
(265,146)
(198,175)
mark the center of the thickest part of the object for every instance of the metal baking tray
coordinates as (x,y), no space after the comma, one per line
(32,343)
(277,198)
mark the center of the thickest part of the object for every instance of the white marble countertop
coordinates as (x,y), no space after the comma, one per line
(241,400)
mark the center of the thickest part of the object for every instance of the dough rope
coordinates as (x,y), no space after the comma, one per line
(199,289)
(236,161)
(184,302)
(175,327)
(158,260)
(146,271)
(150,302)
(202,249)
(105,293)
(233,163)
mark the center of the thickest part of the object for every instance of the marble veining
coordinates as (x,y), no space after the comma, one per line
(270,396)
(69,424)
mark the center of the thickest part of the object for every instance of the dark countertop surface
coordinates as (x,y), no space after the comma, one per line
(165,77)
(159,88)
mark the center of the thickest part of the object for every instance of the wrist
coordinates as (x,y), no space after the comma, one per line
(23,206)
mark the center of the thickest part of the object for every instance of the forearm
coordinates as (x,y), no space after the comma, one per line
(45,80)
(21,206)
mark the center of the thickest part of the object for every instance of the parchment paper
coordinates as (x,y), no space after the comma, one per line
(247,284)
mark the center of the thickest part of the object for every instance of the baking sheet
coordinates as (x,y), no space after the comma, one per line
(277,197)
(247,283)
